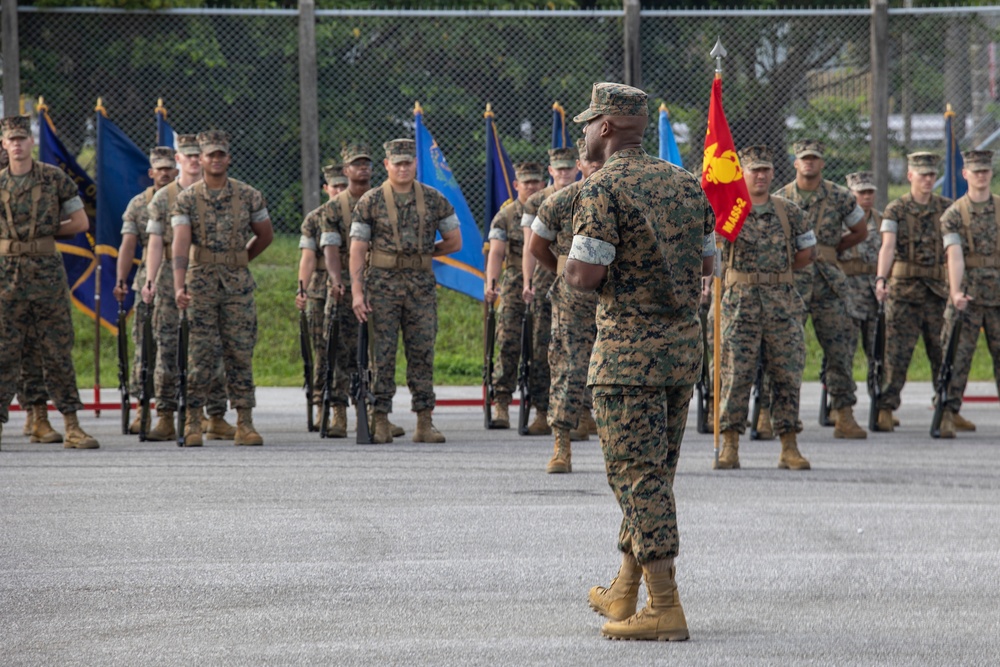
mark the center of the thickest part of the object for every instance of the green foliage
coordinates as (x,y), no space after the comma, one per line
(843,126)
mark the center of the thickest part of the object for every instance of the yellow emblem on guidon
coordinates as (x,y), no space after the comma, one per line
(721,169)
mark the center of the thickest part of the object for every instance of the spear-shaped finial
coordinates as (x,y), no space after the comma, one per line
(718,52)
(489,111)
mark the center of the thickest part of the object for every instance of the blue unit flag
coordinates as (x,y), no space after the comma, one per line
(668,143)
(499,173)
(954,185)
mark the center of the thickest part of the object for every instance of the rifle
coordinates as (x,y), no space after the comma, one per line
(756,393)
(489,340)
(944,375)
(361,383)
(148,354)
(182,373)
(524,372)
(307,363)
(332,343)
(123,362)
(876,368)
(824,404)
(704,384)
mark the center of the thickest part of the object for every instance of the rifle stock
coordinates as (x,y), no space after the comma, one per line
(876,369)
(182,370)
(123,363)
(489,340)
(824,403)
(305,347)
(756,393)
(524,372)
(361,385)
(944,375)
(148,358)
(704,384)
(332,344)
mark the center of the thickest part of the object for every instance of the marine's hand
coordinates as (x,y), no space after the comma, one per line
(300,300)
(961,300)
(148,293)
(183,299)
(120,292)
(528,294)
(361,308)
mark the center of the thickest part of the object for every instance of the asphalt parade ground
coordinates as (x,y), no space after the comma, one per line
(325,552)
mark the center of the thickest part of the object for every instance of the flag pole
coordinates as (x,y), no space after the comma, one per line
(99,108)
(718,52)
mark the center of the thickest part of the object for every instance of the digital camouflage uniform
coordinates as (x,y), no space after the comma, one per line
(979,242)
(541,308)
(916,302)
(134,221)
(34,293)
(859,265)
(506,227)
(166,316)
(316,293)
(402,298)
(762,313)
(649,222)
(573,325)
(222,306)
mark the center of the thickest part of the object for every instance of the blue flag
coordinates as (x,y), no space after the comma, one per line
(78,252)
(461,271)
(165,135)
(122,173)
(954,185)
(499,173)
(668,144)
(560,134)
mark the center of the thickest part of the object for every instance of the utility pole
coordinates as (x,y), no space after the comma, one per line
(633,46)
(11,59)
(308,106)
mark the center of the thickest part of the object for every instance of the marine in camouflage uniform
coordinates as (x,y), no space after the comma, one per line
(220,224)
(165,313)
(762,313)
(911,258)
(503,268)
(971,237)
(35,199)
(162,170)
(397,222)
(859,265)
(573,325)
(643,238)
(831,210)
(538,281)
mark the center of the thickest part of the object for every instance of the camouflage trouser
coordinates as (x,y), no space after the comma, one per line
(973,319)
(135,385)
(865,330)
(31,385)
(782,342)
(507,353)
(345,355)
(904,323)
(316,316)
(50,320)
(541,309)
(833,329)
(166,319)
(641,429)
(403,299)
(573,331)
(225,323)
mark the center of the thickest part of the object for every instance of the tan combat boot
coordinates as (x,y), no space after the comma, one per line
(192,428)
(164,430)
(886,423)
(580,432)
(663,617)
(41,430)
(790,458)
(729,457)
(397,431)
(617,601)
(381,431)
(562,455)
(425,429)
(541,424)
(133,428)
(76,437)
(219,429)
(962,424)
(764,430)
(338,427)
(246,434)
(29,420)
(502,417)
(844,426)
(588,420)
(948,424)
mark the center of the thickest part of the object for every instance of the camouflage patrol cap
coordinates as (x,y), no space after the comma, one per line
(978,160)
(861,181)
(756,157)
(212,141)
(400,150)
(529,171)
(562,158)
(355,150)
(187,144)
(614,99)
(808,147)
(15,126)
(923,162)
(162,156)
(334,174)
(581,149)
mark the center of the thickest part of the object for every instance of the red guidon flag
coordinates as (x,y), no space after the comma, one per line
(721,175)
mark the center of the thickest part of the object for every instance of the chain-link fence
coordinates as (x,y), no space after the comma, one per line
(789,74)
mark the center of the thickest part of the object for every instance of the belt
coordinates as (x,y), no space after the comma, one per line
(977,261)
(391,260)
(561,264)
(232,258)
(826,253)
(912,270)
(36,248)
(734,277)
(856,267)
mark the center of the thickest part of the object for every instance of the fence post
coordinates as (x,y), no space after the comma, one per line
(633,49)
(880,100)
(11,60)
(308,106)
